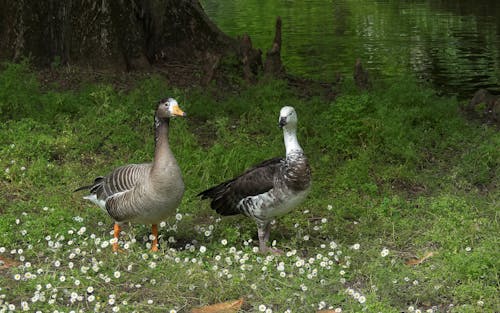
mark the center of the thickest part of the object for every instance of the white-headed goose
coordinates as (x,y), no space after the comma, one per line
(269,189)
(143,193)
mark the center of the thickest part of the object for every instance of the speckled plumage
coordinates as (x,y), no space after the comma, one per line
(269,189)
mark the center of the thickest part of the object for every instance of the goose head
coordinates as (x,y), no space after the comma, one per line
(288,118)
(168,108)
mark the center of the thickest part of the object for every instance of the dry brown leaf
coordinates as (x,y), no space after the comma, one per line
(224,307)
(6,263)
(326,311)
(419,261)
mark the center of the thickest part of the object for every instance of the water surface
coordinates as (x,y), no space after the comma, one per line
(454,44)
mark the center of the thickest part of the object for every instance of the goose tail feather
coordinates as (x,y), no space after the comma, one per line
(92,188)
(220,200)
(212,192)
(83,188)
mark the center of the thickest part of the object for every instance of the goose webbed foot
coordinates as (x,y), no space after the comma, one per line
(271,250)
(117,249)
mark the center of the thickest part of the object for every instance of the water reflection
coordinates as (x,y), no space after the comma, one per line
(453,44)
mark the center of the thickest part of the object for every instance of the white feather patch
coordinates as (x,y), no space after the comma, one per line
(267,206)
(99,202)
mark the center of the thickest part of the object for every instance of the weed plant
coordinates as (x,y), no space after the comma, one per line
(398,174)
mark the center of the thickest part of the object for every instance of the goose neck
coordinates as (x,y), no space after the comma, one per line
(291,143)
(163,154)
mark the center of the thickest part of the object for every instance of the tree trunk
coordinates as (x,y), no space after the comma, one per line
(119,35)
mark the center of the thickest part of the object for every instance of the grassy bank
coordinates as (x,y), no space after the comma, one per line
(398,175)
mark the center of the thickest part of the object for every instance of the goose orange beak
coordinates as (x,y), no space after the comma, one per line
(176,111)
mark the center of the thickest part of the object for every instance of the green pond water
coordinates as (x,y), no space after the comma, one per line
(453,44)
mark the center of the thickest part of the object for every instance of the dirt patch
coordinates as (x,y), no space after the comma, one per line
(307,88)
(413,189)
(74,78)
(205,133)
(10,194)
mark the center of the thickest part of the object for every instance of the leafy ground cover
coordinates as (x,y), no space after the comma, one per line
(403,216)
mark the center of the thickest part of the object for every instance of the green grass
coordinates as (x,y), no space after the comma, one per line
(395,170)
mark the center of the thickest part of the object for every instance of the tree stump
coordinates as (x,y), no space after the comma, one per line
(251,59)
(485,105)
(273,65)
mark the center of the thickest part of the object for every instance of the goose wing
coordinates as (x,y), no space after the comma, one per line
(256,180)
(120,180)
(112,192)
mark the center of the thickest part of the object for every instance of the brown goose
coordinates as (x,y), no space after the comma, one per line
(269,189)
(143,193)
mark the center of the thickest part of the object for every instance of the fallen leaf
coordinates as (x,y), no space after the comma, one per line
(225,307)
(419,261)
(326,311)
(6,263)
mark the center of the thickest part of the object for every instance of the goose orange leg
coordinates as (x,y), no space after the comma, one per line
(116,234)
(154,244)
